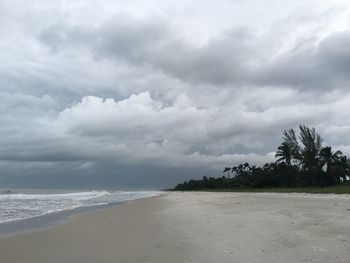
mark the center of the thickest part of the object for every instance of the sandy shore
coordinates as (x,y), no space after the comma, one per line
(196,227)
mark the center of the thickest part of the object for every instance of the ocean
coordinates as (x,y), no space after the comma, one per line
(24,204)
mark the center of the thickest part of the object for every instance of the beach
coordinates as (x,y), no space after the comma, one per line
(195,227)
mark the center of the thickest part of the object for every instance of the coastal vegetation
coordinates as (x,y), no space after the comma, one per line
(302,164)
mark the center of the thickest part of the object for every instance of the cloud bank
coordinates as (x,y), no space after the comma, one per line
(117,93)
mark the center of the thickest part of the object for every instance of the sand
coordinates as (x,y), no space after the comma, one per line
(196,227)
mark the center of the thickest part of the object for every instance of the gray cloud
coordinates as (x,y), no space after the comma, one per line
(120,96)
(323,66)
(233,58)
(153,42)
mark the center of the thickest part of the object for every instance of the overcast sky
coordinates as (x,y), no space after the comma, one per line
(148,93)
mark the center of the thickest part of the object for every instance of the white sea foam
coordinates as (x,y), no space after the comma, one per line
(22,206)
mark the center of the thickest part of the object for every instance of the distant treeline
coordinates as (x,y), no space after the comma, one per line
(301,161)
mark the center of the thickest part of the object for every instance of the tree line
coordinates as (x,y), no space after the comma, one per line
(301,160)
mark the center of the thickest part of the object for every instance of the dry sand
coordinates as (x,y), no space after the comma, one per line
(196,227)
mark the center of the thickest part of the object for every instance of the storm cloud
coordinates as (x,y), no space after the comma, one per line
(96,93)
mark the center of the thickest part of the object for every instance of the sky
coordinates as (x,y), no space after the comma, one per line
(102,93)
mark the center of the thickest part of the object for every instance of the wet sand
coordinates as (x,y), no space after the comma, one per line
(196,227)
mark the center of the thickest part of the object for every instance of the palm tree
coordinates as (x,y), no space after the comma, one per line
(227,169)
(240,168)
(266,166)
(290,139)
(329,158)
(305,149)
(285,153)
(344,163)
(246,167)
(234,170)
(311,147)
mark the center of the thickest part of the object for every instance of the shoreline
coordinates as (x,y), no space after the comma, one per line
(102,235)
(196,227)
(46,221)
(51,219)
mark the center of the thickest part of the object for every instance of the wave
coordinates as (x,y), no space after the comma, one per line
(77,196)
(21,206)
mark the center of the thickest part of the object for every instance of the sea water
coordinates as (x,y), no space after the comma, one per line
(21,205)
